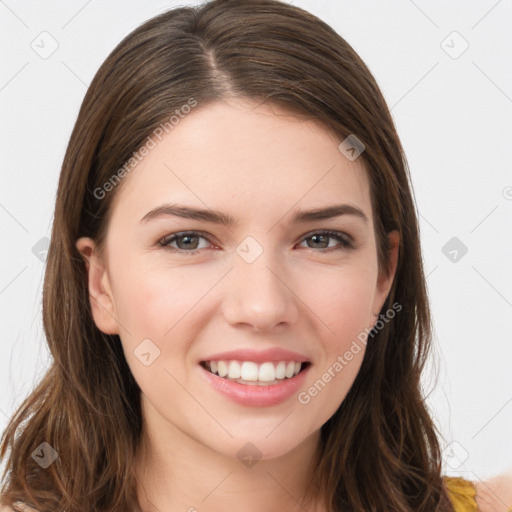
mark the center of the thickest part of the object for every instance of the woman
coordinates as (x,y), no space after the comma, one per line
(207,352)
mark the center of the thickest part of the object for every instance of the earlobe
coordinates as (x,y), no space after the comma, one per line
(100,293)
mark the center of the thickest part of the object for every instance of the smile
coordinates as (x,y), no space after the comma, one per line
(251,373)
(254,384)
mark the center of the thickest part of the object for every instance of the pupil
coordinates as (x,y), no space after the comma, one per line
(317,237)
(187,237)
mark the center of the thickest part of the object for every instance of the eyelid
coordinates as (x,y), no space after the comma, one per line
(177,234)
(331,232)
(346,241)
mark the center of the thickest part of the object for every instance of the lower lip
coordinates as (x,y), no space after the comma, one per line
(256,396)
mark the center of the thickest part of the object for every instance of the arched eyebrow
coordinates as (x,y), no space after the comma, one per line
(216,217)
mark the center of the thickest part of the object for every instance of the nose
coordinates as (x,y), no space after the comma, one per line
(260,293)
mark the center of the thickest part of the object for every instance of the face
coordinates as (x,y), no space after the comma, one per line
(271,287)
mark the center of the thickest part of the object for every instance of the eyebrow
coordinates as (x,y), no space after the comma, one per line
(215,217)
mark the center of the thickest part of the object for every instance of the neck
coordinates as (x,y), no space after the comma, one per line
(178,473)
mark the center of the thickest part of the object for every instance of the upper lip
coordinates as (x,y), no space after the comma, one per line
(259,356)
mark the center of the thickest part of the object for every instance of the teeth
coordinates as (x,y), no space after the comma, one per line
(290,369)
(280,370)
(250,371)
(234,370)
(222,368)
(267,372)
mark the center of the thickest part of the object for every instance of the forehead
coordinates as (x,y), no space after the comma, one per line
(246,159)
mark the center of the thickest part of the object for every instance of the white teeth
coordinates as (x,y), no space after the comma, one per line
(251,371)
(222,368)
(234,370)
(290,369)
(281,370)
(267,372)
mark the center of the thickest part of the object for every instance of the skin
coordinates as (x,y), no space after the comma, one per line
(495,494)
(259,165)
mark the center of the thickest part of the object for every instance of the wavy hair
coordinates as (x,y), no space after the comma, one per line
(380,450)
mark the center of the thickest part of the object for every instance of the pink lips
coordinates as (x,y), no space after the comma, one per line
(253,395)
(256,396)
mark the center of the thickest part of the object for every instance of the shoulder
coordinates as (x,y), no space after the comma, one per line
(495,494)
(462,493)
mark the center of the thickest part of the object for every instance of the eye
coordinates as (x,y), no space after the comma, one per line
(185,240)
(188,242)
(322,237)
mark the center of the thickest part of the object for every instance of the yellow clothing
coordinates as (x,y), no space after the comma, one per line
(462,494)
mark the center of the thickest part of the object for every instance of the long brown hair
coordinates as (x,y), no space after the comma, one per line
(380,450)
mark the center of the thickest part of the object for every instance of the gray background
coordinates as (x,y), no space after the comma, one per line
(452,106)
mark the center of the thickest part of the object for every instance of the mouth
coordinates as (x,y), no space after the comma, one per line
(250,373)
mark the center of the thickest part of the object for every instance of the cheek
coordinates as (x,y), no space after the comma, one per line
(155,302)
(341,301)
(156,308)
(169,307)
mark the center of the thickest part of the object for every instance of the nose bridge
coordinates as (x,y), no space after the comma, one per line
(259,293)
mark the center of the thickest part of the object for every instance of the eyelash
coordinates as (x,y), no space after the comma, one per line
(345,243)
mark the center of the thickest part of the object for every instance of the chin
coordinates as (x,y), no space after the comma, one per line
(260,448)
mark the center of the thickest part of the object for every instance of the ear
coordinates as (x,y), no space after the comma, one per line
(385,278)
(100,293)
